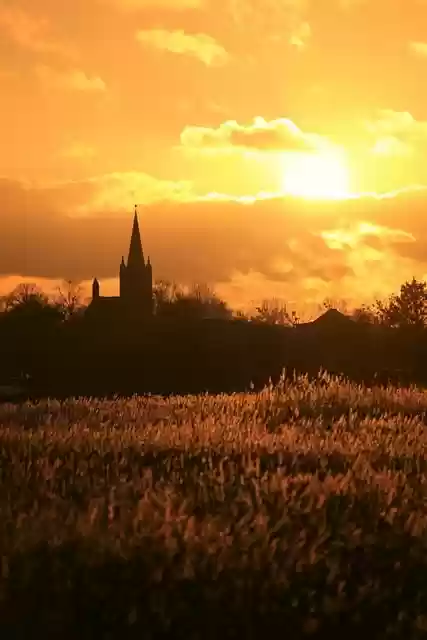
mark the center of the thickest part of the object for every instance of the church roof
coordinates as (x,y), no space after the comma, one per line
(107,300)
(105,304)
(332,319)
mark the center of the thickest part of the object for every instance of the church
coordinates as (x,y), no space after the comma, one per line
(136,286)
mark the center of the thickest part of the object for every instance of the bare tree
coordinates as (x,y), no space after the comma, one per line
(25,295)
(198,301)
(274,311)
(333,303)
(69,299)
(241,315)
(366,314)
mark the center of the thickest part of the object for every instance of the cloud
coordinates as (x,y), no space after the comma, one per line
(170,5)
(397,133)
(352,4)
(396,123)
(418,48)
(78,151)
(121,190)
(275,135)
(300,36)
(30,32)
(269,247)
(390,146)
(355,234)
(199,45)
(272,17)
(72,80)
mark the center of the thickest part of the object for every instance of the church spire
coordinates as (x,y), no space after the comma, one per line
(136,255)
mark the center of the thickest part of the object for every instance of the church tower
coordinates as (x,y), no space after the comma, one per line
(136,277)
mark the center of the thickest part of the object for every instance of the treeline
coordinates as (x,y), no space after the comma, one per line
(29,303)
(196,342)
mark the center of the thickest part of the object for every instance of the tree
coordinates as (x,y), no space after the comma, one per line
(408,309)
(165,294)
(241,315)
(29,314)
(69,299)
(26,297)
(199,301)
(338,305)
(274,311)
(366,314)
(210,304)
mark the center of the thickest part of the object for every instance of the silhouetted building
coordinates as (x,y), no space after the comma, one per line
(136,285)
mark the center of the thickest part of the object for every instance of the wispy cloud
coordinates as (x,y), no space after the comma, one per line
(307,251)
(300,36)
(115,191)
(78,151)
(399,124)
(198,45)
(31,32)
(275,135)
(171,5)
(73,80)
(418,48)
(390,146)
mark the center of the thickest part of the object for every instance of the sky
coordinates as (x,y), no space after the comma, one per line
(275,148)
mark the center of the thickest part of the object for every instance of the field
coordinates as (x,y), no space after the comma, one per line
(298,511)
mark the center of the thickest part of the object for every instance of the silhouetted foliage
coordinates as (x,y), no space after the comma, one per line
(197,303)
(408,309)
(194,343)
(28,307)
(69,299)
(25,298)
(365,315)
(241,315)
(164,293)
(338,305)
(275,312)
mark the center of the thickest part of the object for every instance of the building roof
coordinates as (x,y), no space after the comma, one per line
(333,317)
(331,320)
(105,304)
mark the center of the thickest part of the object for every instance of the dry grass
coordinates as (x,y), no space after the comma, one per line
(301,508)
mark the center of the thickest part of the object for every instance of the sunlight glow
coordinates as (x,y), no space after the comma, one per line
(316,176)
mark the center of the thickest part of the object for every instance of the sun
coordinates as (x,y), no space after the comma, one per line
(316,176)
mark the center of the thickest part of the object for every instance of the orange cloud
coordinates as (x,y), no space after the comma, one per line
(77,151)
(199,45)
(275,135)
(352,4)
(73,80)
(119,191)
(418,48)
(273,17)
(172,5)
(397,133)
(390,146)
(391,122)
(269,247)
(300,36)
(30,32)
(355,234)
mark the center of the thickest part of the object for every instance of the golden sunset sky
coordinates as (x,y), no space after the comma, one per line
(277,148)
